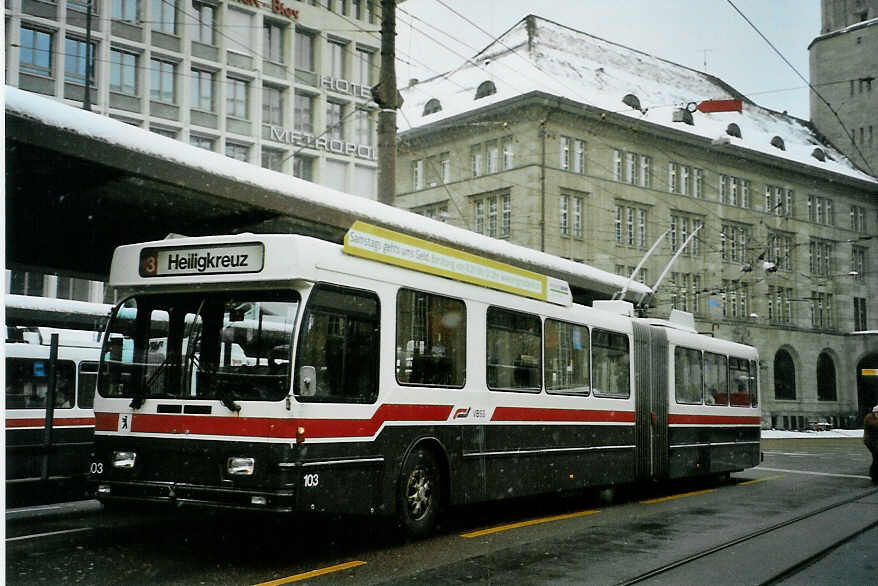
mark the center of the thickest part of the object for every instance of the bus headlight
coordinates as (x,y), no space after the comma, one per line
(124,460)
(238,466)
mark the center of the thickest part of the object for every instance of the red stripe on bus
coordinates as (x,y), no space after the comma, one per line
(273,427)
(712,420)
(57,422)
(553,415)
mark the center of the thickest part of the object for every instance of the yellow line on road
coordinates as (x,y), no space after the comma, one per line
(313,573)
(676,496)
(500,528)
(760,480)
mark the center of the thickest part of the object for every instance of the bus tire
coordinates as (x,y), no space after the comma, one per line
(419,493)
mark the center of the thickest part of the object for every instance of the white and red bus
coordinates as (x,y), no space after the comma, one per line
(393,376)
(48,418)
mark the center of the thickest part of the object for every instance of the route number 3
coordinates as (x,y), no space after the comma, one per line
(311,480)
(97,468)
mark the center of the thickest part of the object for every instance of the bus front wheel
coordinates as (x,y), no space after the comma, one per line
(419,493)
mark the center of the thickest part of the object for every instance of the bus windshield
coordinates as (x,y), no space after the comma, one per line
(219,345)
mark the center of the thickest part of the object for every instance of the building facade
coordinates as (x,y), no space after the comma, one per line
(784,256)
(844,68)
(284,84)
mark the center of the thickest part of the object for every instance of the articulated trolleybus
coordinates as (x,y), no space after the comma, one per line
(392,376)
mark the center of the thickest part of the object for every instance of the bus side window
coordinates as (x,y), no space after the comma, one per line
(339,347)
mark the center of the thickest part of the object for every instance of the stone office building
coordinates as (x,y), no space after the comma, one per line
(844,68)
(592,151)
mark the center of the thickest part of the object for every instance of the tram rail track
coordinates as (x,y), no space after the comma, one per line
(789,568)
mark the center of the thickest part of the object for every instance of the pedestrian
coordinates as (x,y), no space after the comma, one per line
(870,438)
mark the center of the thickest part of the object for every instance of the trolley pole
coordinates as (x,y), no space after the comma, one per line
(389,100)
(86,98)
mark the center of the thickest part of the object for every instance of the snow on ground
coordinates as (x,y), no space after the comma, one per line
(831,433)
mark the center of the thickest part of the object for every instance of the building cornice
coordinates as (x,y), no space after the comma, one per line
(658,131)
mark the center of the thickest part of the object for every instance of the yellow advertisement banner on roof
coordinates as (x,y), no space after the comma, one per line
(368,241)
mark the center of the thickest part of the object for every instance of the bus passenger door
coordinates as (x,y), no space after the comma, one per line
(651,402)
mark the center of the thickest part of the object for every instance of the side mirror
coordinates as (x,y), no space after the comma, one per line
(307,381)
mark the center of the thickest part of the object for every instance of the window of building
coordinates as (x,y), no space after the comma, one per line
(779,201)
(682,226)
(272,105)
(514,356)
(445,167)
(578,205)
(123,72)
(734,191)
(35,54)
(272,159)
(334,121)
(336,60)
(486,88)
(820,257)
(434,212)
(687,376)
(167,132)
(860,321)
(303,167)
(75,61)
(363,127)
(417,174)
(126,10)
(164,16)
(340,340)
(733,242)
(565,152)
(567,358)
(564,212)
(237,151)
(858,263)
(822,311)
(163,81)
(784,376)
(780,250)
(735,299)
(363,67)
(237,98)
(203,27)
(610,358)
(492,158)
(335,174)
(431,339)
(826,390)
(304,113)
(625,168)
(239,32)
(578,156)
(357,9)
(686,292)
(476,159)
(858,219)
(698,184)
(202,90)
(273,41)
(820,210)
(631,226)
(780,307)
(304,50)
(493,214)
(202,142)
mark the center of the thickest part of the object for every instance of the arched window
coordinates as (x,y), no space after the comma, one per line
(826,378)
(432,106)
(784,376)
(486,88)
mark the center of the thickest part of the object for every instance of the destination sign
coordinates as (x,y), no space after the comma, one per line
(202,260)
(402,250)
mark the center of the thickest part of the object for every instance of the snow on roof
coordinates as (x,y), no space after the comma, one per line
(103,128)
(538,55)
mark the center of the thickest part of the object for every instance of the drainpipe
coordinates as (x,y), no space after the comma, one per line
(543,184)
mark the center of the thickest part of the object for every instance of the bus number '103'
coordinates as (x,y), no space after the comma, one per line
(311,480)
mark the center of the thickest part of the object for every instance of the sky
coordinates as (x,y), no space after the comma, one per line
(706,35)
